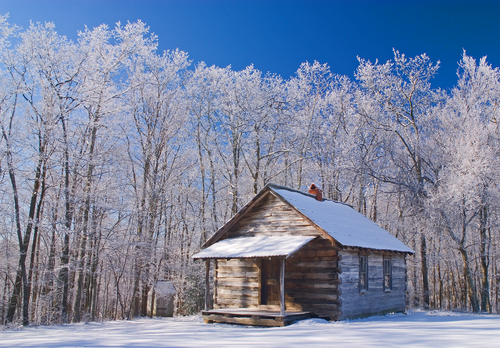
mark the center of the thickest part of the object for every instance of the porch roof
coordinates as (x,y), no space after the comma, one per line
(253,247)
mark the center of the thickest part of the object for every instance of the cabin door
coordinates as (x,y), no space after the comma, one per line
(270,281)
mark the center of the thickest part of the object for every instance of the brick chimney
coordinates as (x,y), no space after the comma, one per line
(315,190)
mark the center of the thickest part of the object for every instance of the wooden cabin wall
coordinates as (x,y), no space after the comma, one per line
(236,283)
(272,217)
(311,280)
(375,300)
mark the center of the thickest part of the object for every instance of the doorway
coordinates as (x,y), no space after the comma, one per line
(270,281)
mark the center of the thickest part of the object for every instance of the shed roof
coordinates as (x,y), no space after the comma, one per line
(164,288)
(260,246)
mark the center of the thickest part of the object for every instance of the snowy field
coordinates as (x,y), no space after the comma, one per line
(417,329)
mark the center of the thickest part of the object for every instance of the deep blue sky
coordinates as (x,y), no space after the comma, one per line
(277,36)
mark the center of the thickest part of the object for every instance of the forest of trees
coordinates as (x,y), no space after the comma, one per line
(117,162)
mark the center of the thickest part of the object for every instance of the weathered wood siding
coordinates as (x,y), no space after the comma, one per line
(236,283)
(271,217)
(375,300)
(311,279)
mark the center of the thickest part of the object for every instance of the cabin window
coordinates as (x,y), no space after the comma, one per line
(363,273)
(387,274)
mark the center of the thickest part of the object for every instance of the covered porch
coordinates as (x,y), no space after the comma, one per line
(271,253)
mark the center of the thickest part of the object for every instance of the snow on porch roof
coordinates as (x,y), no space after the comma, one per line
(246,247)
(344,224)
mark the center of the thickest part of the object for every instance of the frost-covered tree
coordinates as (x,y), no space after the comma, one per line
(466,198)
(396,100)
(157,106)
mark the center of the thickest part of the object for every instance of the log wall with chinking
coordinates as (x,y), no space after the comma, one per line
(375,300)
(312,280)
(236,283)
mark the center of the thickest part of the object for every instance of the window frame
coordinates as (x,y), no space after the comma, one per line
(387,268)
(363,273)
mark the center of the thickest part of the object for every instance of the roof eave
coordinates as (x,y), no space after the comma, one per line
(380,250)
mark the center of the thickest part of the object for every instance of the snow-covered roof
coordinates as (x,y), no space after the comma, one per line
(335,219)
(260,246)
(344,224)
(164,288)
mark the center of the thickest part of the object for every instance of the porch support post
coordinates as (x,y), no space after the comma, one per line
(207,284)
(282,288)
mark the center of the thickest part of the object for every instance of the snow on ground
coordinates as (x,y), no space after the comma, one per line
(417,329)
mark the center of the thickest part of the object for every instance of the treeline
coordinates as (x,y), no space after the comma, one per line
(117,162)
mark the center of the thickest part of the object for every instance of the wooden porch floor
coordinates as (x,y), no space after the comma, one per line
(253,316)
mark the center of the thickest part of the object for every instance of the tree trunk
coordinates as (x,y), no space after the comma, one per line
(485,285)
(471,289)
(144,300)
(86,219)
(68,218)
(425,271)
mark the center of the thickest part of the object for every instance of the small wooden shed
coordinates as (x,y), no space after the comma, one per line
(289,255)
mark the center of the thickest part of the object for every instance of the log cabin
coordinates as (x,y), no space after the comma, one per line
(288,255)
